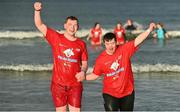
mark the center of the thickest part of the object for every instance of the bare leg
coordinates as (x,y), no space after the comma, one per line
(61,109)
(73,109)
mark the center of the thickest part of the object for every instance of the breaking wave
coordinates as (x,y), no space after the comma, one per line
(80,33)
(136,68)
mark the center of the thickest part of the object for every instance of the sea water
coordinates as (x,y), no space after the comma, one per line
(26,58)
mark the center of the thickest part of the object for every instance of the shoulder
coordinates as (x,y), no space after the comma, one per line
(80,42)
(101,57)
(53,31)
(127,45)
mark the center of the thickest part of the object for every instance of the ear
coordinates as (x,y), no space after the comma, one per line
(64,25)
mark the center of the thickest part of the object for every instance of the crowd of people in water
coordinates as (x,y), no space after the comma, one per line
(120,30)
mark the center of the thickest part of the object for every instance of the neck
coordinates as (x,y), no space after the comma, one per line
(110,53)
(70,37)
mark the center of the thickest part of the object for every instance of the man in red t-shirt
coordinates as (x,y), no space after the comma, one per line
(115,65)
(70,62)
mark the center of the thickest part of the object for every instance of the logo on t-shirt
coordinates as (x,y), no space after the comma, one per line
(119,34)
(69,52)
(96,34)
(115,65)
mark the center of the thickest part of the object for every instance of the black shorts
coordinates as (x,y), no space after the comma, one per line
(123,104)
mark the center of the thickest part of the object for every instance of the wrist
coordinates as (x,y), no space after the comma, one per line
(37,10)
(148,30)
(84,74)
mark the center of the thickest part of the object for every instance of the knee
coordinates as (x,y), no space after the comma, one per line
(110,107)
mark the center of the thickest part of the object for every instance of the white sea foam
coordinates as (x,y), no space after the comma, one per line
(19,34)
(23,67)
(136,68)
(80,33)
(156,68)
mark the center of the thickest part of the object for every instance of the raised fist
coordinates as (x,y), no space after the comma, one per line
(152,26)
(37,6)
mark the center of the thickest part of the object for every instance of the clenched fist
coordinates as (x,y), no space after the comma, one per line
(38,6)
(152,26)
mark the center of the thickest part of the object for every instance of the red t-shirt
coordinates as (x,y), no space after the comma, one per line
(96,33)
(118,77)
(67,57)
(119,34)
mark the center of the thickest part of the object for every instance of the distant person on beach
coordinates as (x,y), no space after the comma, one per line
(160,32)
(130,26)
(119,31)
(70,62)
(115,65)
(95,34)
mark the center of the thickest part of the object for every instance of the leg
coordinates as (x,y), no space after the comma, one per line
(127,103)
(111,103)
(59,96)
(61,109)
(74,98)
(73,109)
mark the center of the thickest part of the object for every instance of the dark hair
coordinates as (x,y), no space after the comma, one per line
(119,22)
(72,18)
(96,23)
(161,24)
(109,36)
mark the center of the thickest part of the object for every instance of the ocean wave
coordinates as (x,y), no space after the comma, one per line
(19,34)
(136,68)
(23,67)
(81,33)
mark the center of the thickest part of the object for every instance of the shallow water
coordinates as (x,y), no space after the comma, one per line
(29,91)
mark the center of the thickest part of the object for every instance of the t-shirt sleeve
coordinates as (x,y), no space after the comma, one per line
(130,48)
(97,68)
(51,36)
(84,53)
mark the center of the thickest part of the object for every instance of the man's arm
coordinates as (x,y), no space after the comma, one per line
(81,75)
(37,18)
(91,76)
(144,35)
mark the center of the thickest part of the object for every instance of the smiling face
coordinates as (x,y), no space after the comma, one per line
(71,27)
(110,46)
(109,40)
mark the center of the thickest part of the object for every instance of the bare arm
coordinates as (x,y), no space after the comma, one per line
(167,35)
(91,76)
(81,75)
(37,18)
(90,34)
(84,66)
(144,35)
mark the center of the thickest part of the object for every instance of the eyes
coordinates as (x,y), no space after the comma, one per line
(70,24)
(110,43)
